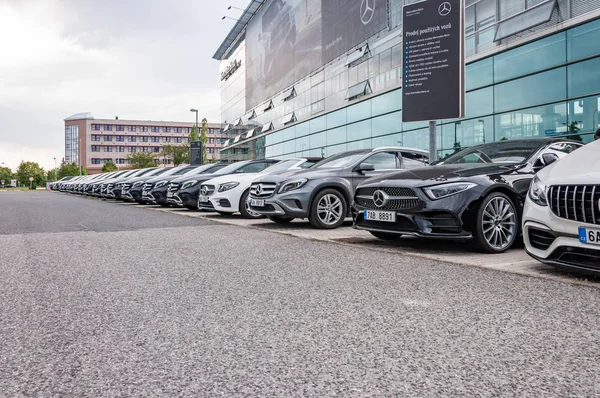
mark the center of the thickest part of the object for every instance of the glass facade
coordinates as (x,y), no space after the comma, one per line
(547,87)
(72,144)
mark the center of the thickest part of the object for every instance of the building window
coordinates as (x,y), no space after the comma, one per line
(210,150)
(96,161)
(108,149)
(120,128)
(95,148)
(120,149)
(108,138)
(144,149)
(131,149)
(166,129)
(178,140)
(211,140)
(187,130)
(120,138)
(120,161)
(144,139)
(95,137)
(106,160)
(131,128)
(155,139)
(155,129)
(131,139)
(144,129)
(167,139)
(95,127)
(186,140)
(107,127)
(177,129)
(155,149)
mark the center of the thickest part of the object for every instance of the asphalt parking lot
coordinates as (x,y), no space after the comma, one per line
(106,299)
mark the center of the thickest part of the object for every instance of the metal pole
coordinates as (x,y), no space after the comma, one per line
(432,141)
(79,156)
(55,171)
(197,132)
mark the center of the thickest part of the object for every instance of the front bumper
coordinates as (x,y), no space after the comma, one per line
(294,204)
(555,241)
(226,202)
(157,195)
(133,194)
(185,197)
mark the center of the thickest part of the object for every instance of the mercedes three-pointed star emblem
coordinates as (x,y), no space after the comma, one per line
(444,8)
(204,190)
(380,198)
(367,10)
(258,189)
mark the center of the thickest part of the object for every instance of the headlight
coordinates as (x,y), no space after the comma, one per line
(138,184)
(291,185)
(161,184)
(537,192)
(442,191)
(188,184)
(228,186)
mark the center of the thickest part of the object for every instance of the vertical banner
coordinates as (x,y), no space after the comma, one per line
(433,62)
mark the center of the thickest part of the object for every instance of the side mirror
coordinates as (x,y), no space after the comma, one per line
(546,160)
(365,167)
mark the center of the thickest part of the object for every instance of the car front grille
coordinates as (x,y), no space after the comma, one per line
(126,187)
(578,257)
(398,198)
(262,190)
(174,186)
(576,202)
(148,186)
(207,190)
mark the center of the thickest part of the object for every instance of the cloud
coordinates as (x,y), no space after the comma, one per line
(138,59)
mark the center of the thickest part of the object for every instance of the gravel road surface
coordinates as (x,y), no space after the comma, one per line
(98,299)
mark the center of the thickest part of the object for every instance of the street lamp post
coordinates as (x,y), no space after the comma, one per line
(196,112)
(237,8)
(55,171)
(79,156)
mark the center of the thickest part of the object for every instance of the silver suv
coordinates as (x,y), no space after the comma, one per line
(324,192)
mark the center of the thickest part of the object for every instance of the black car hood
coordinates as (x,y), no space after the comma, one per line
(450,172)
(198,177)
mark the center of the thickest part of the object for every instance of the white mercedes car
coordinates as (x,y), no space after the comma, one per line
(561,218)
(228,194)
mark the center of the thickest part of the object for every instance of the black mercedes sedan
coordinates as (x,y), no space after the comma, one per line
(477,193)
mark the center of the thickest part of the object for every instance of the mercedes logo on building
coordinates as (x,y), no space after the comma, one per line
(204,190)
(380,198)
(444,9)
(367,10)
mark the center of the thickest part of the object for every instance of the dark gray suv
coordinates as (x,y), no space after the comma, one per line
(324,192)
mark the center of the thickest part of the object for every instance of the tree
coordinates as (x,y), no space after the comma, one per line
(109,166)
(574,131)
(52,175)
(194,134)
(204,140)
(6,174)
(70,169)
(141,160)
(179,154)
(31,169)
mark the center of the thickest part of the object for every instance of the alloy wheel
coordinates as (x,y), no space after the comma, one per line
(499,223)
(249,211)
(330,209)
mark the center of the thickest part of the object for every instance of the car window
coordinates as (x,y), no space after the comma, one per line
(413,160)
(565,147)
(253,167)
(383,160)
(502,152)
(308,164)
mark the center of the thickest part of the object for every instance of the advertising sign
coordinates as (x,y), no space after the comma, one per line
(288,39)
(196,153)
(433,67)
(13,183)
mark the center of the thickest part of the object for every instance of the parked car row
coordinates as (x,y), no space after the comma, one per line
(483,193)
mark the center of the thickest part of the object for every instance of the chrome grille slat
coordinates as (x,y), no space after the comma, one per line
(398,198)
(267,189)
(563,202)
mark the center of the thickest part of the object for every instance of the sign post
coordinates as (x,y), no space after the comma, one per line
(30,182)
(433,64)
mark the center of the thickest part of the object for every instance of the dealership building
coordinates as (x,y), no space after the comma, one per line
(316,77)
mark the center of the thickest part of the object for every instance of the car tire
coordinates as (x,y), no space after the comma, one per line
(385,235)
(328,209)
(244,210)
(280,220)
(497,223)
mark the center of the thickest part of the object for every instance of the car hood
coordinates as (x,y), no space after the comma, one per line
(578,168)
(244,178)
(310,174)
(198,177)
(445,173)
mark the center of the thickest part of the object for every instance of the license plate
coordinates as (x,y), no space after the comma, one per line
(257,202)
(589,235)
(145,193)
(386,216)
(203,199)
(169,194)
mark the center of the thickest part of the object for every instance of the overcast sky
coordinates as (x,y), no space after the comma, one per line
(136,59)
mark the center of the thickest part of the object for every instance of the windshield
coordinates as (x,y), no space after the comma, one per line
(504,152)
(207,168)
(231,168)
(340,160)
(281,166)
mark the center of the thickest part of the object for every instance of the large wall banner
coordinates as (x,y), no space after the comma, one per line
(288,39)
